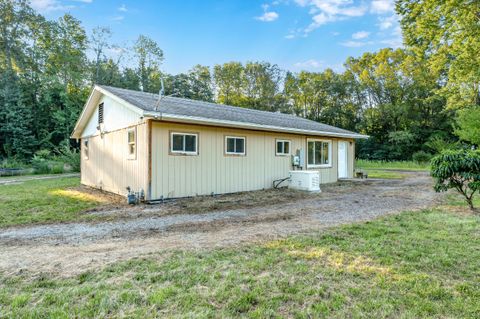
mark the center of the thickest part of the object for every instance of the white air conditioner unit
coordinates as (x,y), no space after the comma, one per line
(305,180)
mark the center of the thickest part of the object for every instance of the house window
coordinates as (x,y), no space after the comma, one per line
(132,143)
(184,143)
(100,113)
(234,145)
(283,147)
(319,153)
(85,148)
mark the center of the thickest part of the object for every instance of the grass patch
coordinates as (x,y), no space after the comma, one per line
(454,199)
(423,264)
(372,173)
(42,201)
(393,165)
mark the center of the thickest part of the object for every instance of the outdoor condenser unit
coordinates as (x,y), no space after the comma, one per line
(305,180)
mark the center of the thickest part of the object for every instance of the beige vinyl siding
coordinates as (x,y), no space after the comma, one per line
(108,166)
(212,171)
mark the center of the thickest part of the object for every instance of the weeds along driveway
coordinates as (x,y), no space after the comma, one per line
(74,247)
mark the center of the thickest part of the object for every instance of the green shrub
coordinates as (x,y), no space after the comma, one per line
(43,154)
(56,168)
(40,165)
(457,169)
(421,157)
(12,163)
(71,157)
(44,163)
(439,144)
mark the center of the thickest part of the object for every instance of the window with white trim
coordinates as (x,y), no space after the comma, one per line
(132,143)
(85,148)
(319,153)
(234,145)
(282,147)
(184,143)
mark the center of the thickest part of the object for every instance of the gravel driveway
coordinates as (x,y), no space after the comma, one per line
(75,247)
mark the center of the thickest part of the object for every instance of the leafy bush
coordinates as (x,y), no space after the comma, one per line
(44,163)
(467,124)
(457,169)
(12,163)
(70,157)
(439,144)
(421,157)
(43,154)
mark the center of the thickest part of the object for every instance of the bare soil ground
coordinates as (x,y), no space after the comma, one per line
(205,222)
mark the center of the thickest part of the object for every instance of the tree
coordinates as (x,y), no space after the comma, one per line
(397,93)
(65,44)
(261,85)
(230,81)
(149,58)
(460,170)
(99,43)
(200,80)
(16,135)
(468,124)
(445,34)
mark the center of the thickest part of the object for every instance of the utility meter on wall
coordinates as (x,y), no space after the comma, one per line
(295,160)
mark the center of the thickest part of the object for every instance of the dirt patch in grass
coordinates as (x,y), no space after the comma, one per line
(218,224)
(97,195)
(200,204)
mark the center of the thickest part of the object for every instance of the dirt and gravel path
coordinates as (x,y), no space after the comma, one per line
(76,247)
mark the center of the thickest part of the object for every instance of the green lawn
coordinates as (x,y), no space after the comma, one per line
(392,165)
(412,265)
(42,201)
(373,173)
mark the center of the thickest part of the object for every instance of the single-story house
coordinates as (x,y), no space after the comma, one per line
(170,147)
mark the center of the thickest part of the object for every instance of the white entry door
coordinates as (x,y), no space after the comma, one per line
(342,160)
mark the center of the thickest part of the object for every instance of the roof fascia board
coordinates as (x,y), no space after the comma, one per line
(201,120)
(81,118)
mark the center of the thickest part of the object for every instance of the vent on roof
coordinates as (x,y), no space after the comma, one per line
(100,113)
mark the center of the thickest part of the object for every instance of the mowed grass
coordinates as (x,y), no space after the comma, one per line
(42,201)
(372,173)
(412,265)
(392,165)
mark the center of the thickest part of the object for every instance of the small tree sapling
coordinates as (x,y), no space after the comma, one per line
(458,169)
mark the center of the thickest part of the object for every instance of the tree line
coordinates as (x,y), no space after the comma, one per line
(417,99)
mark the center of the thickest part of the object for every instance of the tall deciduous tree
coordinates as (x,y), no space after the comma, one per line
(149,58)
(230,81)
(200,80)
(446,35)
(16,136)
(99,43)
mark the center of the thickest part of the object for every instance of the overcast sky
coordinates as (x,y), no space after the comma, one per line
(295,34)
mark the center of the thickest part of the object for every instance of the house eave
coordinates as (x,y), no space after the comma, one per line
(159,116)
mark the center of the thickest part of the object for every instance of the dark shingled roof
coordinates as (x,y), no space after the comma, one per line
(193,108)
